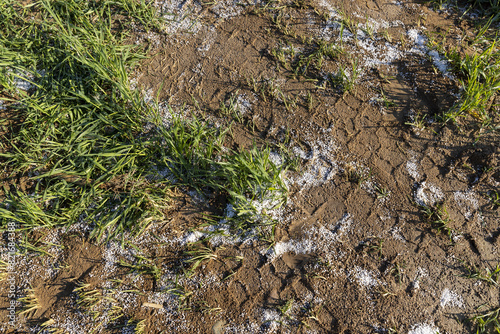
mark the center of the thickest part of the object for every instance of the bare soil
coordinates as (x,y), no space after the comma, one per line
(350,257)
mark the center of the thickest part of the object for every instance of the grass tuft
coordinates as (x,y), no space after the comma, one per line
(84,140)
(487,322)
(490,276)
(30,303)
(438,219)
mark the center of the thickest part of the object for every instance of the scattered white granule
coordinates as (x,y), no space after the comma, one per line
(276,159)
(412,168)
(467,202)
(364,277)
(192,237)
(451,299)
(271,318)
(321,238)
(424,329)
(428,194)
(420,48)
(440,63)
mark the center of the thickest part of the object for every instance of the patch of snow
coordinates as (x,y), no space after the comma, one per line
(220,233)
(181,15)
(412,168)
(112,255)
(227,9)
(428,194)
(24,83)
(421,273)
(364,277)
(271,319)
(378,54)
(375,25)
(251,327)
(440,63)
(419,41)
(424,329)
(416,38)
(451,299)
(229,212)
(314,239)
(208,41)
(321,164)
(332,11)
(148,96)
(243,105)
(467,202)
(396,234)
(276,159)
(192,237)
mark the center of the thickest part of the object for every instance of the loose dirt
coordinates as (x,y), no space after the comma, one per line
(352,252)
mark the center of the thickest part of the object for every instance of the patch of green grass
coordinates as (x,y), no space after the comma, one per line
(182,293)
(368,30)
(286,308)
(282,24)
(101,307)
(487,322)
(198,256)
(418,121)
(37,247)
(312,313)
(348,21)
(308,63)
(479,75)
(382,192)
(79,138)
(494,198)
(87,298)
(386,35)
(203,307)
(269,88)
(139,325)
(310,101)
(490,276)
(143,265)
(397,271)
(437,218)
(374,246)
(488,10)
(49,327)
(384,100)
(346,78)
(141,11)
(230,107)
(193,153)
(83,138)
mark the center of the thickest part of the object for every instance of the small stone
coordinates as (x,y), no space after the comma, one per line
(218,327)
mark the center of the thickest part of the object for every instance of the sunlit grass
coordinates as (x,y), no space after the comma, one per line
(83,140)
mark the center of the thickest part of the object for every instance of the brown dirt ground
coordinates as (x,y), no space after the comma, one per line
(325,257)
